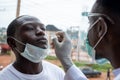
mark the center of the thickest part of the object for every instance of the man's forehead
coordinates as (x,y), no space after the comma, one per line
(27,19)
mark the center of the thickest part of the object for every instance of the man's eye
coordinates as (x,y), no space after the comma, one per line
(30,28)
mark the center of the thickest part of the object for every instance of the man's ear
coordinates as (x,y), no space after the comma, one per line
(101,27)
(11,42)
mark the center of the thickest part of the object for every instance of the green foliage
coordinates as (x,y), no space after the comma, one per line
(99,67)
(8,52)
(51,58)
(79,64)
(103,67)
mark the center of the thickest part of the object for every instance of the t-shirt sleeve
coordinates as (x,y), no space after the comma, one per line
(74,74)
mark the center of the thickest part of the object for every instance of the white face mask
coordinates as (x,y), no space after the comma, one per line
(33,53)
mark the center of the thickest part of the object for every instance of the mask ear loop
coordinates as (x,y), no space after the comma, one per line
(18,41)
(102,35)
(93,55)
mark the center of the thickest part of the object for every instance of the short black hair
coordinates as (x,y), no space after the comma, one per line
(112,5)
(12,27)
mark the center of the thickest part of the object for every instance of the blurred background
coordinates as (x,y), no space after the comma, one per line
(65,15)
(57,15)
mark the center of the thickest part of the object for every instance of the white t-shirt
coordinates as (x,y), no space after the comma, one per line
(50,72)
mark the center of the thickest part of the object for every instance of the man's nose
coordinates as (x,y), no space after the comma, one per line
(40,31)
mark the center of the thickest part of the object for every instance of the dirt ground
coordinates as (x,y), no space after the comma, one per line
(5,60)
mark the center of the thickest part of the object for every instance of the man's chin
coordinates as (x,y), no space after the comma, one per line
(44,47)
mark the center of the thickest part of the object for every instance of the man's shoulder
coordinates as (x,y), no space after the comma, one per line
(5,69)
(5,72)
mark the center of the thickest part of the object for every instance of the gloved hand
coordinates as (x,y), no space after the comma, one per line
(63,47)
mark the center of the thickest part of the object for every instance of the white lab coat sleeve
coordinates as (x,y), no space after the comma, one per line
(74,73)
(117,77)
(116,72)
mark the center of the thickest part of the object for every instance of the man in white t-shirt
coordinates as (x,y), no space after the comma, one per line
(27,38)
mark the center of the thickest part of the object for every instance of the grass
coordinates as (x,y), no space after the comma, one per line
(51,58)
(99,67)
(103,67)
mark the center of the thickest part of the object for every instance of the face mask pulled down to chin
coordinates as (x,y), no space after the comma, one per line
(33,53)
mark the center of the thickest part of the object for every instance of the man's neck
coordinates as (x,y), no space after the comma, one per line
(27,67)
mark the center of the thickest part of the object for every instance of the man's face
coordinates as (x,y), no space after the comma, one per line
(32,31)
(92,37)
(93,34)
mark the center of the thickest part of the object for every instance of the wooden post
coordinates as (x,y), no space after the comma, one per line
(18,8)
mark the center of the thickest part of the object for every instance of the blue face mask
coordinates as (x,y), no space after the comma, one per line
(91,50)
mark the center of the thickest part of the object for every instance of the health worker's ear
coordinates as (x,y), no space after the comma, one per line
(101,27)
